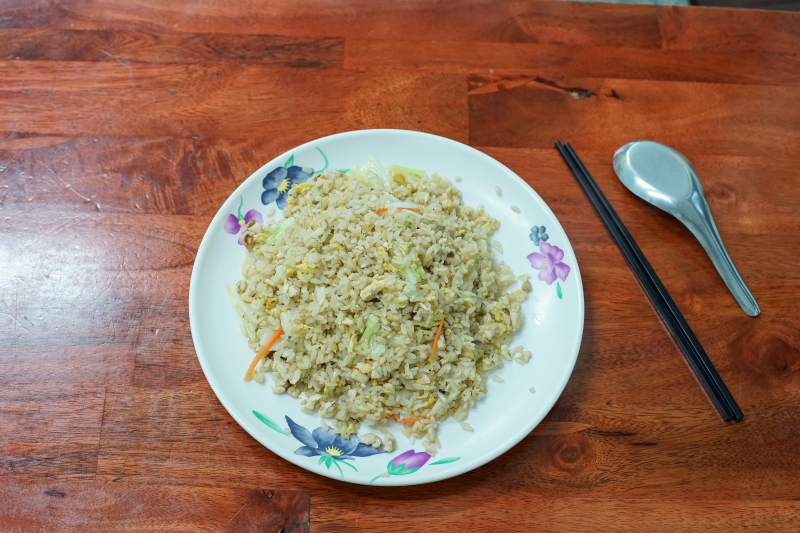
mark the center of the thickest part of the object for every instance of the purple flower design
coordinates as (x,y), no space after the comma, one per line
(235,224)
(548,263)
(407,463)
(280,181)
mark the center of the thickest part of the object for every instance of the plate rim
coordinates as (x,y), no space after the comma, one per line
(461,467)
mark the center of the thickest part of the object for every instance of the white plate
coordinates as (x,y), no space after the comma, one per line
(552,329)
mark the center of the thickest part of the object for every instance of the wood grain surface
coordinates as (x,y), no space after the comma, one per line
(124,126)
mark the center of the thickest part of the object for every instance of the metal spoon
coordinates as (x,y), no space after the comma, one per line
(662,176)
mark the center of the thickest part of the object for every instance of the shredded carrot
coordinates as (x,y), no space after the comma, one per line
(262,352)
(404,420)
(439,331)
(384,209)
(436,338)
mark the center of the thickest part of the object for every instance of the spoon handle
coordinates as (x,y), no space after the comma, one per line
(701,224)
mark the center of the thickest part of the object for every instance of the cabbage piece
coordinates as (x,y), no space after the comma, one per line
(248,320)
(411,174)
(376,348)
(467,296)
(316,241)
(413,273)
(233,297)
(369,331)
(279,229)
(413,292)
(372,174)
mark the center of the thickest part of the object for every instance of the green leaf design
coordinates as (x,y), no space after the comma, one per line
(558,290)
(392,469)
(339,467)
(321,458)
(346,463)
(289,162)
(323,169)
(445,461)
(399,470)
(269,422)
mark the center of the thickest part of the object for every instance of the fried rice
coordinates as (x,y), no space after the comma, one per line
(359,275)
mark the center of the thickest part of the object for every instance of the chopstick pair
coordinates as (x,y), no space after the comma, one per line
(695,355)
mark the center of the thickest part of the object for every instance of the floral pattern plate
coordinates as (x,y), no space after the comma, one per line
(533,242)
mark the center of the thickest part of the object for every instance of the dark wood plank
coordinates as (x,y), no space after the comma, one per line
(104,506)
(557,61)
(722,119)
(29,14)
(101,76)
(756,31)
(780,5)
(50,429)
(524,512)
(478,20)
(140,47)
(237,102)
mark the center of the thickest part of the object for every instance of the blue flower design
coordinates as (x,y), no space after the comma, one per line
(280,181)
(331,448)
(538,234)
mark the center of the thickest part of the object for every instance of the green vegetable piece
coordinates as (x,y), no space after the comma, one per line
(369,331)
(412,273)
(233,297)
(277,229)
(411,174)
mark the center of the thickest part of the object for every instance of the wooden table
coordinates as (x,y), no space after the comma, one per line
(125,125)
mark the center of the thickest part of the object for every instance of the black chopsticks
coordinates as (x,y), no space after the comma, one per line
(695,355)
